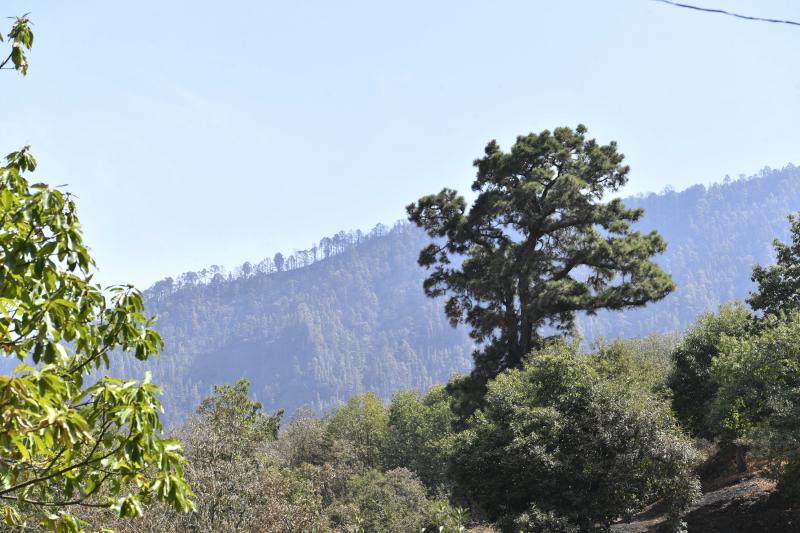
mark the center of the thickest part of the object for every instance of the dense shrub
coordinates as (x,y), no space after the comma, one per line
(363,422)
(304,439)
(288,501)
(644,363)
(394,502)
(691,383)
(225,445)
(564,442)
(421,435)
(758,397)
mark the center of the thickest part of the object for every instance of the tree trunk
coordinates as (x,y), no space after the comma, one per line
(741,458)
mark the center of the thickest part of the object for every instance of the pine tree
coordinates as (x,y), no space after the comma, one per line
(538,245)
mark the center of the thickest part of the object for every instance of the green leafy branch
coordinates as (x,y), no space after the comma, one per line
(21,38)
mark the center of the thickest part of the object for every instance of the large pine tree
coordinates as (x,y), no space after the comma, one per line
(538,245)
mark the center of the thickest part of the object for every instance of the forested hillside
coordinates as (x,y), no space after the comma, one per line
(349,315)
(353,319)
(715,235)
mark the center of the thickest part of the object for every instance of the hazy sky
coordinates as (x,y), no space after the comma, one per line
(198,132)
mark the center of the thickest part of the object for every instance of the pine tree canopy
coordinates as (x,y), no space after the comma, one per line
(538,245)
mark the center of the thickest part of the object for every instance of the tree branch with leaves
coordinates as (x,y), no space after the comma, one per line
(71,434)
(21,39)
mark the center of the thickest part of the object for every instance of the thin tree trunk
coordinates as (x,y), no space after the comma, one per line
(741,458)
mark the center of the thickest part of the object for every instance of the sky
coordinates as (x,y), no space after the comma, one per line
(198,133)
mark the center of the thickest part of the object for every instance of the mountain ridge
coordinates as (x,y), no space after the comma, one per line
(350,315)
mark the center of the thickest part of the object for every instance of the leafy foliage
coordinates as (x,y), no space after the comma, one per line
(758,397)
(226,445)
(421,435)
(238,487)
(643,364)
(394,502)
(779,284)
(363,422)
(70,435)
(534,519)
(318,474)
(538,245)
(691,381)
(21,39)
(563,443)
(230,411)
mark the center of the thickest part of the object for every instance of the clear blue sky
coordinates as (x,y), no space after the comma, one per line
(199,133)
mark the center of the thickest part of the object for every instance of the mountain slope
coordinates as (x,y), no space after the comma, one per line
(355,317)
(715,235)
(312,336)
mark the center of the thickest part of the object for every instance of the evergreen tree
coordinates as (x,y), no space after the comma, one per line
(538,244)
(779,284)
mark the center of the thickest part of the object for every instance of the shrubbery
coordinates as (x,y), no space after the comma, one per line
(564,441)
(691,381)
(393,502)
(318,474)
(758,397)
(421,436)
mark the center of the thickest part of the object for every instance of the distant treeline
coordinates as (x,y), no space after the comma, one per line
(327,247)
